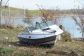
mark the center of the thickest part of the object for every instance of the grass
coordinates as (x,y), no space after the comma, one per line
(11,47)
(14,12)
(35,12)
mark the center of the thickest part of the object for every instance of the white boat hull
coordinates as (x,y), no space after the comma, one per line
(40,41)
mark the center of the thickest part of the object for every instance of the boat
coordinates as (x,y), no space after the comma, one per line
(40,33)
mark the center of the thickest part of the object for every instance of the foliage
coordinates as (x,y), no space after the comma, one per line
(66,37)
(5,50)
(47,14)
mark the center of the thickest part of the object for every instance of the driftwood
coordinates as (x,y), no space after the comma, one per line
(72,53)
(57,52)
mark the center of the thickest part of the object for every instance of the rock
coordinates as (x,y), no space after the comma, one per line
(6,38)
(9,45)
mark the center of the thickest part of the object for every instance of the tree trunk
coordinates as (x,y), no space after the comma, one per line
(83,36)
(83,32)
(0,11)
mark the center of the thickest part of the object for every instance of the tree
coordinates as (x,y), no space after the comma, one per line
(47,14)
(80,23)
(27,16)
(0,10)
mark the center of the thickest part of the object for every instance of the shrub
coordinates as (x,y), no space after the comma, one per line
(66,37)
(5,50)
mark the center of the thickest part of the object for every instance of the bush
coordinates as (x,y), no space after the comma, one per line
(5,50)
(66,37)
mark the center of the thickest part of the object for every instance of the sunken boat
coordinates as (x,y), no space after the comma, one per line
(40,33)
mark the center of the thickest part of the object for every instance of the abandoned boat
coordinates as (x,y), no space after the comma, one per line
(40,33)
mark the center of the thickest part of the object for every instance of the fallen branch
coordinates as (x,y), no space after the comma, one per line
(72,53)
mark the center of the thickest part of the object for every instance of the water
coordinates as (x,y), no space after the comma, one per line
(67,22)
(70,26)
(16,22)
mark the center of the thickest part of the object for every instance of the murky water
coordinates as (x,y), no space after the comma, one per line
(67,22)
